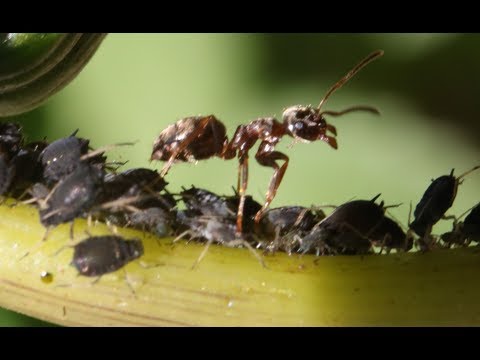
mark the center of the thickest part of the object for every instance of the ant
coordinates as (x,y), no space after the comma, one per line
(201,137)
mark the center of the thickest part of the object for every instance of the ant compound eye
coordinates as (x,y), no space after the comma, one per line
(299,125)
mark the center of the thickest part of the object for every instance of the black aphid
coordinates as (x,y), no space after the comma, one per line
(464,232)
(278,226)
(99,255)
(132,182)
(63,156)
(389,235)
(436,200)
(73,196)
(346,230)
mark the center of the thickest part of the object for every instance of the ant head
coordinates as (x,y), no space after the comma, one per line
(308,123)
(304,122)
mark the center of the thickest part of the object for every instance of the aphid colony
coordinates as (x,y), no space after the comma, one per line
(66,179)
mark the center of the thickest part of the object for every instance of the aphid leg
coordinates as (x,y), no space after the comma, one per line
(144,265)
(71,229)
(450,217)
(185,143)
(237,242)
(97,279)
(129,284)
(47,231)
(22,195)
(202,254)
(183,234)
(266,157)
(112,228)
(241,188)
(424,242)
(273,246)
(38,245)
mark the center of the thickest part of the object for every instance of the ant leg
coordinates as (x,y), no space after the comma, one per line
(242,187)
(268,158)
(185,143)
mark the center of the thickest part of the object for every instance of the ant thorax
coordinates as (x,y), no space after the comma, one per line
(266,129)
(304,123)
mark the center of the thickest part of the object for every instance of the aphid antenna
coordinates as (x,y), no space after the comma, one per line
(105,148)
(123,202)
(456,219)
(298,220)
(53,212)
(319,207)
(404,228)
(467,172)
(392,206)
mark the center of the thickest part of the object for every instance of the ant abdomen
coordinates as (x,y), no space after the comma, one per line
(190,138)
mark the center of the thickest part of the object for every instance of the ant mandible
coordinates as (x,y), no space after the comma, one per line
(201,137)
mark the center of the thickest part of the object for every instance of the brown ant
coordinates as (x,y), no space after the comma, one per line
(202,137)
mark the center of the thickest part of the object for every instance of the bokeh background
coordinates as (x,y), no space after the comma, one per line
(426,87)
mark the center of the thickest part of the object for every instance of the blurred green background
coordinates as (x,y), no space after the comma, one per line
(426,87)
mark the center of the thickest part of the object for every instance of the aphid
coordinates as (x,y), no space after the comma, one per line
(132,182)
(11,137)
(346,230)
(99,255)
(278,226)
(7,173)
(464,232)
(436,200)
(72,196)
(28,169)
(213,229)
(202,137)
(20,169)
(61,157)
(155,214)
(206,203)
(471,225)
(154,219)
(389,235)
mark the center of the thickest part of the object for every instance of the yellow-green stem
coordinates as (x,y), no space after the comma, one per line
(230,287)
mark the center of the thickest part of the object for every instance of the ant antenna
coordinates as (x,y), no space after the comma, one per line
(352,109)
(374,55)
